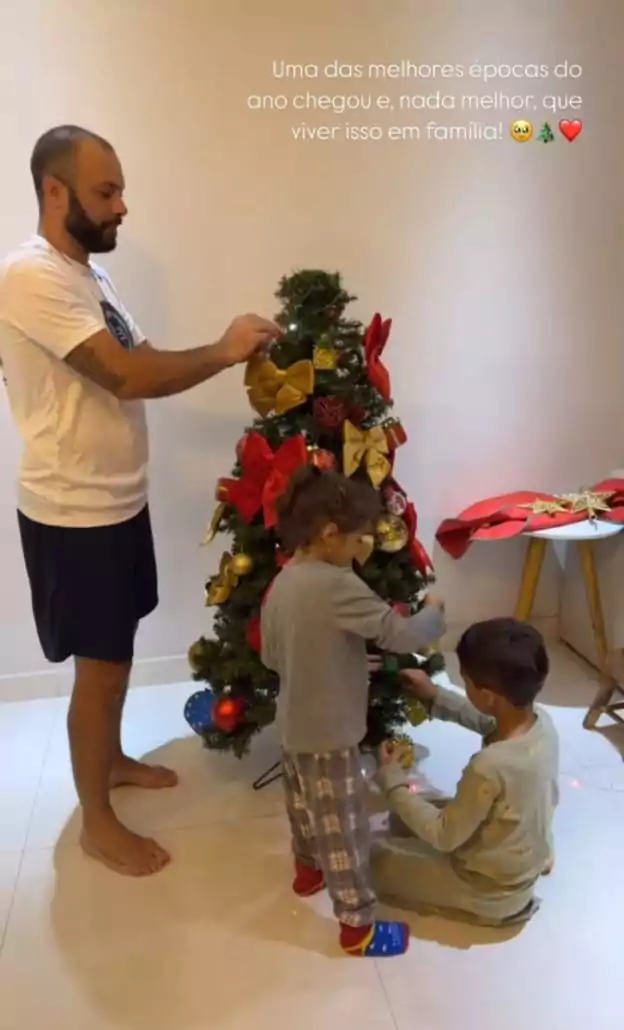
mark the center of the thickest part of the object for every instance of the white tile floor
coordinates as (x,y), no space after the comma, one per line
(218,940)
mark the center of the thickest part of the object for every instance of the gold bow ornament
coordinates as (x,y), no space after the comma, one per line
(215,524)
(232,567)
(270,388)
(370,446)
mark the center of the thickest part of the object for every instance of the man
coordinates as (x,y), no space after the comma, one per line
(78,370)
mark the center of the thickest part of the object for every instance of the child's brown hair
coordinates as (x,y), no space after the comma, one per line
(315,498)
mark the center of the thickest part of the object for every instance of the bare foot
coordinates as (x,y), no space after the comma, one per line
(129,773)
(121,850)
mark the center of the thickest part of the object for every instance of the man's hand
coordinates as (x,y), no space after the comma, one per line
(246,336)
(388,753)
(419,684)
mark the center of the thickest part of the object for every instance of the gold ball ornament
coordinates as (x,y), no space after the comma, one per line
(325,356)
(391,534)
(415,711)
(406,756)
(195,656)
(325,359)
(232,567)
(242,564)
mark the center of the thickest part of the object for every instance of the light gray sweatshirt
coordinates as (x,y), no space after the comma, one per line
(498,827)
(316,622)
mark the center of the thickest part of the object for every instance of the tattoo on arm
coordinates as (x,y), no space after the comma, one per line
(88,363)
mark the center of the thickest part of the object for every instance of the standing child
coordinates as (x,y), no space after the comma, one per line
(480,854)
(316,622)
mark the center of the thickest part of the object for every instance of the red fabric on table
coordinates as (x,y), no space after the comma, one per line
(502,517)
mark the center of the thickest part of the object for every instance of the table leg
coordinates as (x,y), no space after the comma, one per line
(592,588)
(530,578)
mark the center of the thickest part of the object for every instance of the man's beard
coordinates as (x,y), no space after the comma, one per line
(93,238)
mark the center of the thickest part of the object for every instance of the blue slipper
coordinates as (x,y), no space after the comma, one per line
(385,940)
(198,711)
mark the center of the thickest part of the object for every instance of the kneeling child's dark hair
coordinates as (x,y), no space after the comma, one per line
(507,657)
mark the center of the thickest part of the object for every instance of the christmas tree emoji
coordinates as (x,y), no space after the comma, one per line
(546,135)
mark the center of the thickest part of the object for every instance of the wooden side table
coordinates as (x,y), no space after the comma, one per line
(584,535)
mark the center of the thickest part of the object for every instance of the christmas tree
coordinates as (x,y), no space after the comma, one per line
(321,396)
(546,135)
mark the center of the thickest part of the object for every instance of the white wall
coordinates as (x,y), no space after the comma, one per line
(500,263)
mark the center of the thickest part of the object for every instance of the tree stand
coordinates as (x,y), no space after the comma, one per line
(270,776)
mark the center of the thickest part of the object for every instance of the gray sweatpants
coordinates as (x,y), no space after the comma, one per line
(408,873)
(326,805)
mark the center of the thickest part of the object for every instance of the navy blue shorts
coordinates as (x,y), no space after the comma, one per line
(90,587)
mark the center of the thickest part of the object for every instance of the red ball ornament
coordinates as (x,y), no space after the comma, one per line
(401,608)
(330,412)
(227,713)
(323,460)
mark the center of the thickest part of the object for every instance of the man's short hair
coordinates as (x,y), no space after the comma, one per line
(54,154)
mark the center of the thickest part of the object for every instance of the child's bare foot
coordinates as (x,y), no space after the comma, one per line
(129,773)
(106,840)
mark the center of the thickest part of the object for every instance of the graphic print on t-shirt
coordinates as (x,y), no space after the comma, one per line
(117,325)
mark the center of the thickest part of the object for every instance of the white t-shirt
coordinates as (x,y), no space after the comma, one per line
(85,452)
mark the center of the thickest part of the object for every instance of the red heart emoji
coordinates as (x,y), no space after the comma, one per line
(570,129)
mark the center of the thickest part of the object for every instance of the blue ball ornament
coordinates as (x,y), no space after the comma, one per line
(198,711)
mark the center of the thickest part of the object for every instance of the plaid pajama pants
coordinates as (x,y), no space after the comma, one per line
(326,805)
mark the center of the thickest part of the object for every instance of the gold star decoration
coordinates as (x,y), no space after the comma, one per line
(588,502)
(545,507)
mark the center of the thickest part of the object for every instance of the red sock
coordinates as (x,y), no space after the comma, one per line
(353,937)
(307,880)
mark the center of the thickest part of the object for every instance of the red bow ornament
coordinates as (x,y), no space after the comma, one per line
(375,341)
(510,515)
(266,474)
